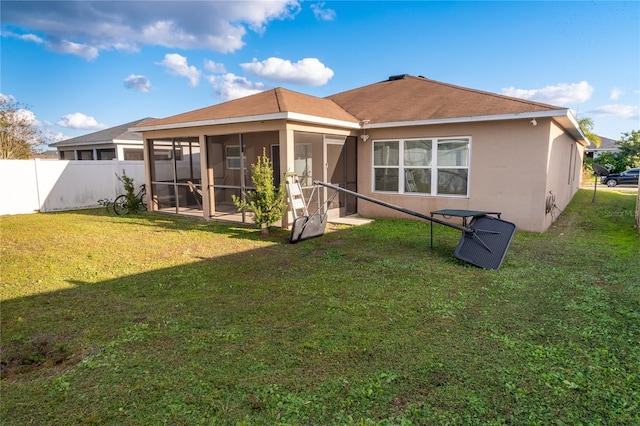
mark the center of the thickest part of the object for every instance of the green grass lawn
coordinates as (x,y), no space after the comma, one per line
(155,320)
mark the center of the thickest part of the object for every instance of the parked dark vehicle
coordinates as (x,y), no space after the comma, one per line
(627,177)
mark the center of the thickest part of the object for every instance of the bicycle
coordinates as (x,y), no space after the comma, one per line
(121,203)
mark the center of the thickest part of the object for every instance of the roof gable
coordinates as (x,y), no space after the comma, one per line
(408,98)
(268,103)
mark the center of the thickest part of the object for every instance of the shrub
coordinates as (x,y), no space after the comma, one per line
(267,203)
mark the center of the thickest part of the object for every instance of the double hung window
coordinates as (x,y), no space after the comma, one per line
(434,166)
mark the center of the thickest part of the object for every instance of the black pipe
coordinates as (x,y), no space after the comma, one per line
(394,207)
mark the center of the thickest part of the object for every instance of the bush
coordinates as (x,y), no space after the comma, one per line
(134,203)
(267,203)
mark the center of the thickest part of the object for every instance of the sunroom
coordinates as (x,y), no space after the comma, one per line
(197,161)
(191,178)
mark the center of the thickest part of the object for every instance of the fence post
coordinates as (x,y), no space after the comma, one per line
(35,171)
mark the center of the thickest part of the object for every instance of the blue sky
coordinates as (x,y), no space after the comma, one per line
(81,66)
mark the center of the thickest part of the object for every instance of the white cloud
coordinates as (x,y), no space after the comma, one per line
(82,50)
(27,117)
(177,65)
(84,28)
(61,46)
(230,86)
(323,14)
(137,82)
(560,94)
(622,111)
(7,98)
(80,121)
(616,94)
(307,71)
(214,67)
(30,37)
(52,136)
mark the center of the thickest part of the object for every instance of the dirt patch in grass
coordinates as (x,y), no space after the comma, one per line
(43,351)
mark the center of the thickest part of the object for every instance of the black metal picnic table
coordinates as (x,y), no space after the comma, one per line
(464,214)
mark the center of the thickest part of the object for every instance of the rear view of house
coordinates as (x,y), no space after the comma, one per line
(410,141)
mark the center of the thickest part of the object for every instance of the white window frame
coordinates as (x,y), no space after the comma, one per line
(232,160)
(434,167)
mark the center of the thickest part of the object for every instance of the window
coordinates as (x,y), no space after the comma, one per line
(106,154)
(85,154)
(422,166)
(133,154)
(165,154)
(232,154)
(67,155)
(303,162)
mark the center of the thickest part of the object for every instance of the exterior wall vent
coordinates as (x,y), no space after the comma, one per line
(397,77)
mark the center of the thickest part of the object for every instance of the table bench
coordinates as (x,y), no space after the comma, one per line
(464,214)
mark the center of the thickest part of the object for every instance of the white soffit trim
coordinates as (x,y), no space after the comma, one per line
(128,141)
(471,119)
(563,116)
(253,118)
(322,120)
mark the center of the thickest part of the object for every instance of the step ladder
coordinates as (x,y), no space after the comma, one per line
(304,225)
(296,199)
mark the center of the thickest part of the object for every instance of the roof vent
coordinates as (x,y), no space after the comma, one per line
(397,77)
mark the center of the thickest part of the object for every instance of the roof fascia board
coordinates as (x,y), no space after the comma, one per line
(80,143)
(252,118)
(478,118)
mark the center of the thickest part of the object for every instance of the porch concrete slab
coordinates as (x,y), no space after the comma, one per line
(350,220)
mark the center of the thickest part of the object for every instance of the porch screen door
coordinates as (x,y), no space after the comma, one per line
(335,173)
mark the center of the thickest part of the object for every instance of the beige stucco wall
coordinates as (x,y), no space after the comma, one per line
(508,171)
(514,166)
(564,172)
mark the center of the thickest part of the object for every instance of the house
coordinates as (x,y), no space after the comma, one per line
(117,142)
(606,145)
(409,141)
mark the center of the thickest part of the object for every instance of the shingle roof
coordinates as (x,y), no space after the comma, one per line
(606,144)
(265,103)
(398,100)
(409,98)
(120,132)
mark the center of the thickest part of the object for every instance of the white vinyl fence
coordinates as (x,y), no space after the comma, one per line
(28,186)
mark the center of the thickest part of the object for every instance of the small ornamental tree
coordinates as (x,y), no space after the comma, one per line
(267,203)
(134,203)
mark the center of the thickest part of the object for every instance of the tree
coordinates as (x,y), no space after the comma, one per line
(586,125)
(133,203)
(267,203)
(629,145)
(627,157)
(612,161)
(19,135)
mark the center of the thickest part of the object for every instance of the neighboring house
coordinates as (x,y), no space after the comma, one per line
(117,142)
(606,145)
(409,141)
